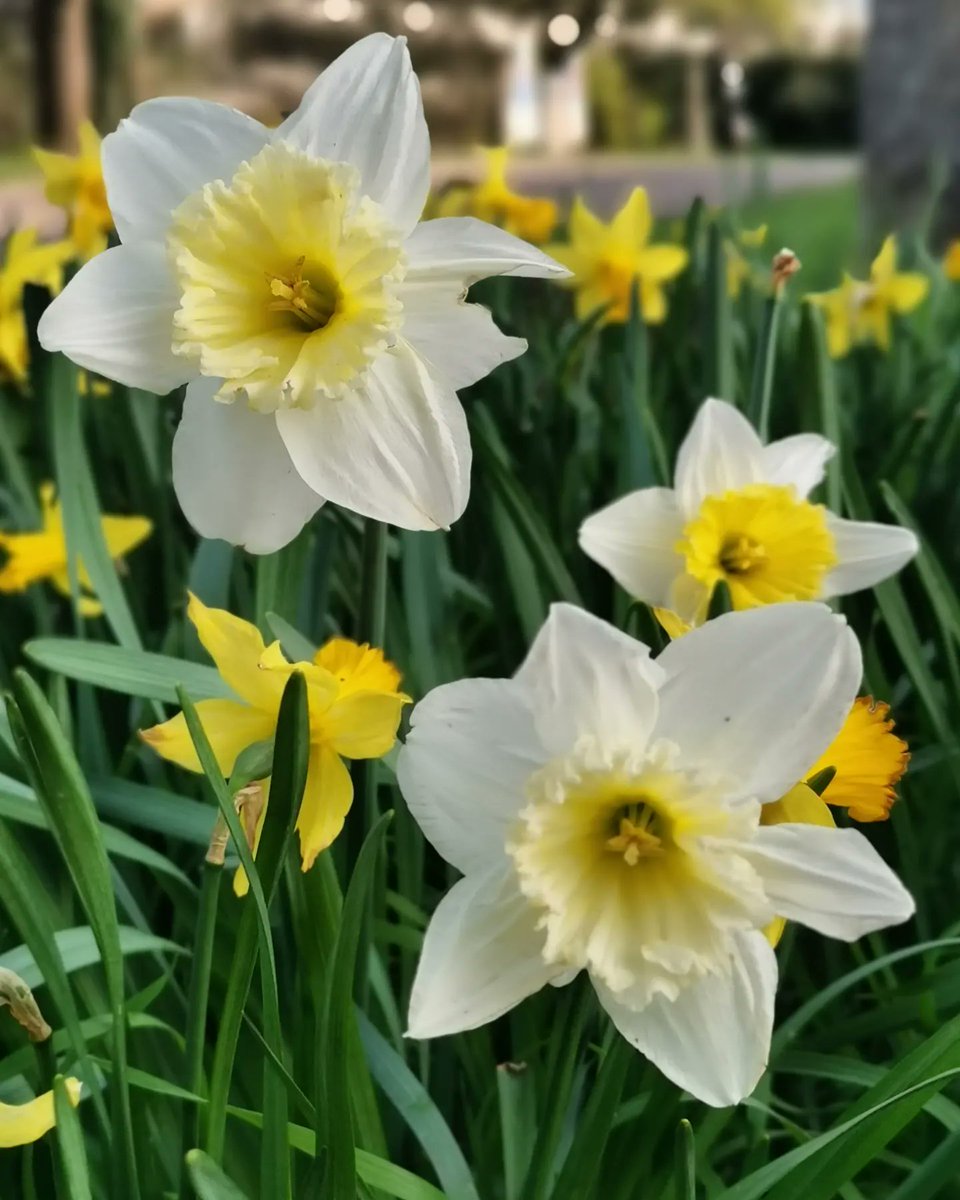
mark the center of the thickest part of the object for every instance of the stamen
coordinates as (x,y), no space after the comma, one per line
(311,303)
(741,554)
(638,834)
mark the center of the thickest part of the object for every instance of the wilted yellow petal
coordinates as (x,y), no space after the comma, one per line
(326,802)
(21,1124)
(230,728)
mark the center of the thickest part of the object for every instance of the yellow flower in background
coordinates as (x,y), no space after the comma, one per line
(532,218)
(354,706)
(74,182)
(738,265)
(869,760)
(42,554)
(606,259)
(25,261)
(862,311)
(21,1124)
(951,261)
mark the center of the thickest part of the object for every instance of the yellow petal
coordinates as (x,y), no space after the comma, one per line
(89,140)
(30,557)
(951,261)
(496,158)
(585,227)
(903,292)
(673,625)
(653,302)
(358,667)
(236,648)
(800,806)
(122,534)
(21,1124)
(633,222)
(61,176)
(884,265)
(661,262)
(87,605)
(230,728)
(326,802)
(363,724)
(753,238)
(869,760)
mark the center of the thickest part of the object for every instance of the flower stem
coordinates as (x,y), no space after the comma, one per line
(197,1004)
(761,388)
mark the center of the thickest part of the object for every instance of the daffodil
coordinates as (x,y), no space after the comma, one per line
(42,554)
(951,261)
(354,705)
(25,260)
(859,311)
(739,513)
(282,274)
(75,182)
(532,218)
(21,1124)
(606,260)
(605,812)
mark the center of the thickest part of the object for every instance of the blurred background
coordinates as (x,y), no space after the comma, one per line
(739,101)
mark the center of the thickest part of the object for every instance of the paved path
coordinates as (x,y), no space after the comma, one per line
(604,180)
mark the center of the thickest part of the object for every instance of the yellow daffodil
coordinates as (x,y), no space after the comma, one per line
(951,261)
(42,554)
(354,706)
(869,760)
(75,182)
(25,261)
(21,1124)
(862,311)
(532,218)
(93,385)
(738,265)
(606,259)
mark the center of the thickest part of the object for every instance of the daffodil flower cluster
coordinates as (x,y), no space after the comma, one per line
(650,823)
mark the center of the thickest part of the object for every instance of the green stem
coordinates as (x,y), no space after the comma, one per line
(761,388)
(231,1018)
(197,1004)
(718,377)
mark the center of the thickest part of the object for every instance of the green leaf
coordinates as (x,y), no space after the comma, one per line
(336,1132)
(77,948)
(415,1107)
(209,1182)
(72,818)
(132,672)
(685,1158)
(74,1176)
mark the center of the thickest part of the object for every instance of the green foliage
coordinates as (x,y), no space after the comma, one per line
(254,1047)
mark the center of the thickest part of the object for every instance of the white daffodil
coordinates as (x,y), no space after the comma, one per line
(604,809)
(282,274)
(739,512)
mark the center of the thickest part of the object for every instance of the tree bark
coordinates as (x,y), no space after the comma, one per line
(61,67)
(910,112)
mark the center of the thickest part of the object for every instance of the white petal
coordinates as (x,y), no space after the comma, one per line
(167,149)
(797,461)
(635,539)
(720,453)
(482,955)
(397,449)
(461,250)
(471,748)
(365,109)
(233,475)
(586,677)
(714,1039)
(867,553)
(757,696)
(115,317)
(831,880)
(460,340)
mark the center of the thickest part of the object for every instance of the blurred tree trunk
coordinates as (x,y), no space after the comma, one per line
(114,51)
(910,104)
(61,62)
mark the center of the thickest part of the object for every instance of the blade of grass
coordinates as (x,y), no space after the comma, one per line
(74,1175)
